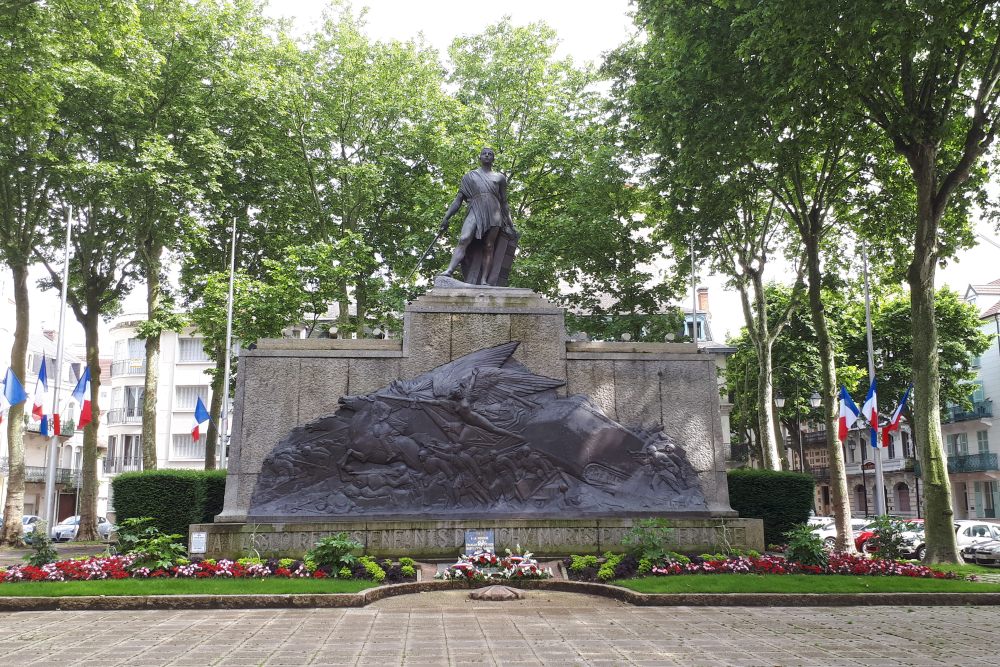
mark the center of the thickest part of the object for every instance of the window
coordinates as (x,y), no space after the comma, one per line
(983,441)
(186,448)
(187,396)
(903,497)
(978,395)
(132,348)
(907,448)
(958,444)
(892,446)
(191,350)
(133,401)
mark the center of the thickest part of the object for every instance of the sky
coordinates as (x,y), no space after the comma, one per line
(586,31)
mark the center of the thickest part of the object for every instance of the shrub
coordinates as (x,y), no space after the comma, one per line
(648,538)
(406,561)
(887,542)
(174,499)
(334,552)
(408,570)
(153,548)
(42,551)
(805,546)
(781,499)
(578,563)
(373,570)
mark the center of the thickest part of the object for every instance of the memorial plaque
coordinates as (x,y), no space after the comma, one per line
(479,540)
(199,543)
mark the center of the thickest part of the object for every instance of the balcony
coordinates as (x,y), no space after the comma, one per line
(814,438)
(982,462)
(980,410)
(116,464)
(125,416)
(128,367)
(65,476)
(819,473)
(739,452)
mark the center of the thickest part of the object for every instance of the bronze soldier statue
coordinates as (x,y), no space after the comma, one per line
(486,246)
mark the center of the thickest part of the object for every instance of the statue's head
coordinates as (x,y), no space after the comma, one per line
(486,156)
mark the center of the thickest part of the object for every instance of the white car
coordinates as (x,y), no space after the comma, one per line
(67,528)
(828,531)
(967,533)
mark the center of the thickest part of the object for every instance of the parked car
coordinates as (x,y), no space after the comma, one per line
(828,531)
(814,520)
(28,522)
(984,553)
(67,528)
(967,533)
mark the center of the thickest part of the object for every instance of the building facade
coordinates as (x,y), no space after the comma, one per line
(182,379)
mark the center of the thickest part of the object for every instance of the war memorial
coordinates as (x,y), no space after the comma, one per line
(482,416)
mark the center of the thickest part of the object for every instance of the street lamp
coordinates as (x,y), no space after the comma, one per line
(814,400)
(864,484)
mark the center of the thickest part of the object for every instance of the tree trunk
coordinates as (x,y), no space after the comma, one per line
(89,483)
(215,410)
(765,411)
(361,304)
(838,474)
(154,295)
(10,535)
(939,527)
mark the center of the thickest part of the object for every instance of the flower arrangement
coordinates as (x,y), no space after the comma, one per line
(849,564)
(131,566)
(485,565)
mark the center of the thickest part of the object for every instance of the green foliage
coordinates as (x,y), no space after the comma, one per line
(335,551)
(407,570)
(344,572)
(42,551)
(173,499)
(781,499)
(375,571)
(805,546)
(648,538)
(155,548)
(645,566)
(607,569)
(887,542)
(406,561)
(578,563)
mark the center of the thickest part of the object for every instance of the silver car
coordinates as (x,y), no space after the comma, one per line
(67,528)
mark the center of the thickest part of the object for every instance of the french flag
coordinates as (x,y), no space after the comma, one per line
(82,397)
(11,392)
(870,412)
(893,424)
(200,417)
(849,414)
(41,401)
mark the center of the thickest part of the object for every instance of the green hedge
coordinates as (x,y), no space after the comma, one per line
(174,498)
(781,499)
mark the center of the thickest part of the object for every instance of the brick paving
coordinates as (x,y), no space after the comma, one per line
(446,628)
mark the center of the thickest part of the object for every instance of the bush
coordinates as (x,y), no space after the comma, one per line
(174,499)
(781,499)
(334,552)
(805,546)
(42,551)
(648,538)
(887,542)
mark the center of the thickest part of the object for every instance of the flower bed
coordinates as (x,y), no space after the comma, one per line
(124,567)
(844,564)
(486,566)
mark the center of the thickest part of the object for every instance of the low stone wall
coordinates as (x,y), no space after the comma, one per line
(445,539)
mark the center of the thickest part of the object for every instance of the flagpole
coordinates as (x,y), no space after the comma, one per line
(224,417)
(50,473)
(876,450)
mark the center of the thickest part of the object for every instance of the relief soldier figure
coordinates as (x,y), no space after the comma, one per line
(486,245)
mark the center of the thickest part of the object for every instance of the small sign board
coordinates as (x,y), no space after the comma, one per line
(479,540)
(199,543)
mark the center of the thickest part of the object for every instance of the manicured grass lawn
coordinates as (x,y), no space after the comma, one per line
(184,587)
(800,583)
(965,569)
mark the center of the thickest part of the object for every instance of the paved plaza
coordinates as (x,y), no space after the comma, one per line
(547,628)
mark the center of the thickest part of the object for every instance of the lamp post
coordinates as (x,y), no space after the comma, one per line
(864,484)
(814,400)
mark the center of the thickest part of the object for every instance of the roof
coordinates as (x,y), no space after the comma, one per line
(991,311)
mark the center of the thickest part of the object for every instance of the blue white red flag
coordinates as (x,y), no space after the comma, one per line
(81,395)
(848,414)
(42,402)
(11,393)
(200,417)
(870,412)
(893,424)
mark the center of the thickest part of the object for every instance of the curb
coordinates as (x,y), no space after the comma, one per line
(364,598)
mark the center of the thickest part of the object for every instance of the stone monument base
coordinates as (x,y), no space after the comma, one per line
(446,539)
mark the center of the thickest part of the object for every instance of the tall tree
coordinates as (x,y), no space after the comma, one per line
(927,76)
(36,50)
